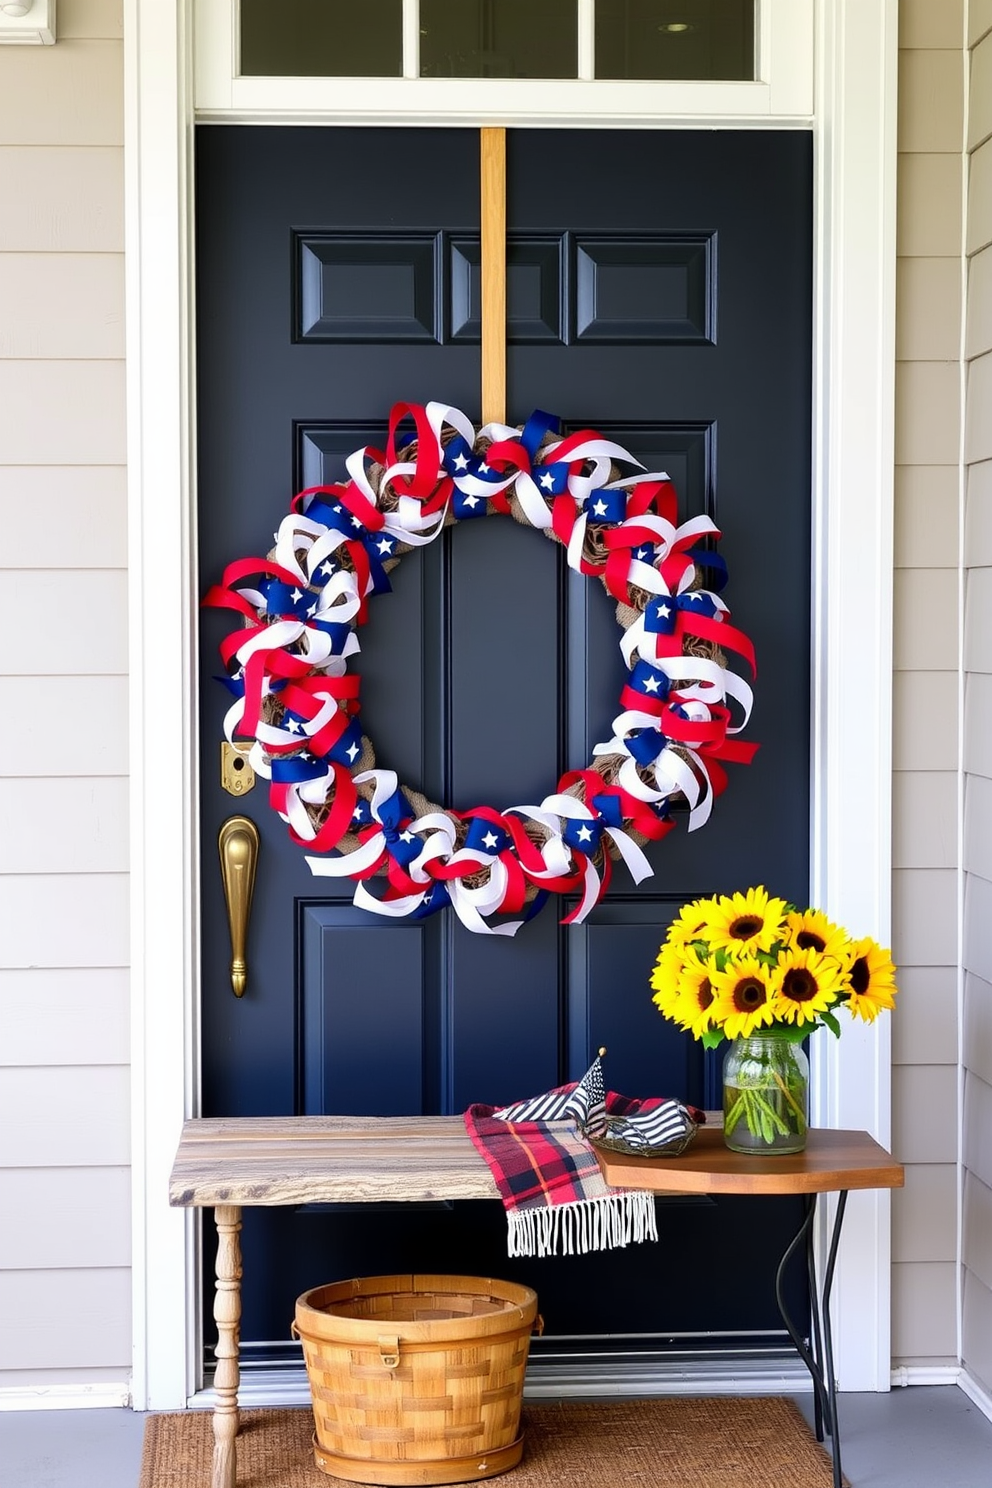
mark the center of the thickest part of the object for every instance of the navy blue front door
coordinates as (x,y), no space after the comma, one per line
(659,291)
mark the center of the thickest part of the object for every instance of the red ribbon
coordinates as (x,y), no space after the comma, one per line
(342,809)
(351,497)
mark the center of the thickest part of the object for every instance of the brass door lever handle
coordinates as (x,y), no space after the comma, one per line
(238,844)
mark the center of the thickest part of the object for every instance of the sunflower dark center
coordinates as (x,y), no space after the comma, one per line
(749,994)
(806,940)
(799,985)
(745,926)
(860,976)
(704,993)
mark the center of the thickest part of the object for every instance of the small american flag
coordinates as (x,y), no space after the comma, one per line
(584,1103)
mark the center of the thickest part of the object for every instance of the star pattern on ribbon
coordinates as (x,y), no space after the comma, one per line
(296,693)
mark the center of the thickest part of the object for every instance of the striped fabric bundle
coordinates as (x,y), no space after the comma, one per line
(554,1194)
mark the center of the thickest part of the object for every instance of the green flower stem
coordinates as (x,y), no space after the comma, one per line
(766,1112)
(735,1113)
(759,1114)
(763,1119)
(800,1114)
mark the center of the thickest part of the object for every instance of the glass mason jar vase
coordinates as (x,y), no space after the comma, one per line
(765,1095)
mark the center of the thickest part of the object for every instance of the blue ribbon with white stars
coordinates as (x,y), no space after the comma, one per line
(645,744)
(280,599)
(662,610)
(361,816)
(486,837)
(609,809)
(294,771)
(401,844)
(303,604)
(378,545)
(607,507)
(534,430)
(649,681)
(459,460)
(347,748)
(436,897)
(551,479)
(582,833)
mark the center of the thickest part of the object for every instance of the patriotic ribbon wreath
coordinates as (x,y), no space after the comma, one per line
(288,668)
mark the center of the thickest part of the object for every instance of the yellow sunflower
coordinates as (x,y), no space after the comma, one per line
(812,931)
(805,985)
(872,978)
(690,922)
(665,977)
(743,997)
(745,922)
(693,1008)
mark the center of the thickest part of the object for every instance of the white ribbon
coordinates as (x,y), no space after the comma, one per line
(633,857)
(636,862)
(672,775)
(385,785)
(472,905)
(305,793)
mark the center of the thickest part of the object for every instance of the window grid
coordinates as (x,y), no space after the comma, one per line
(411,22)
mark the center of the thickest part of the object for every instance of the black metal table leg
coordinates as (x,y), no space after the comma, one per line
(817,1355)
(816,1340)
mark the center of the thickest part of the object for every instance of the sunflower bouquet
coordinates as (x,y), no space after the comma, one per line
(751,967)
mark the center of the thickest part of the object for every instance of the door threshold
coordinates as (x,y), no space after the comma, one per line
(762,1372)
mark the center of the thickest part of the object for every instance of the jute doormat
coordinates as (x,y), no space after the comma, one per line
(719,1442)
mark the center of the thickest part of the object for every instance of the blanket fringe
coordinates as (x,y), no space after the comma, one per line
(606,1223)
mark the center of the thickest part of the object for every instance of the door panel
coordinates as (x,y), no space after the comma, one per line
(659,291)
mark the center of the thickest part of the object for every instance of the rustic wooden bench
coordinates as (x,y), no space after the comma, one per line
(225,1164)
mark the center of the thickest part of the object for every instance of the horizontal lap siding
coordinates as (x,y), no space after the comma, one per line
(65,1319)
(926,849)
(976,1334)
(64,1079)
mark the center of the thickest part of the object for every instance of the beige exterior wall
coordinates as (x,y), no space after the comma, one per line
(64,1245)
(64,1115)
(976,1338)
(925,783)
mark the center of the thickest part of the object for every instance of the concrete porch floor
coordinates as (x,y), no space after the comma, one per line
(929,1436)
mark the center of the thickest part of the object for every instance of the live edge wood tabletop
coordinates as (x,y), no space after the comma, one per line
(225,1163)
(272,1160)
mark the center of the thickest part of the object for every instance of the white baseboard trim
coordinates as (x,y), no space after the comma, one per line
(975,1392)
(925,1374)
(65,1397)
(584,1380)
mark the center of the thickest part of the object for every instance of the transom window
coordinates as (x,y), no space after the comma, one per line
(522,63)
(610,40)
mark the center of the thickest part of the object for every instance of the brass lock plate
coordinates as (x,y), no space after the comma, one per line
(236,774)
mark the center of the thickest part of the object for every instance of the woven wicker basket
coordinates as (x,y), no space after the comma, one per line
(416,1379)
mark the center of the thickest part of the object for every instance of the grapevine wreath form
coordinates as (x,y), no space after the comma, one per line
(297,696)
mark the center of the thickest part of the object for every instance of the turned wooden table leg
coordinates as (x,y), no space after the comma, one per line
(227,1315)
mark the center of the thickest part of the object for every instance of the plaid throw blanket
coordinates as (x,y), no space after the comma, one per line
(556,1199)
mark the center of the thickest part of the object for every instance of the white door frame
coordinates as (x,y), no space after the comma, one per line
(855,164)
